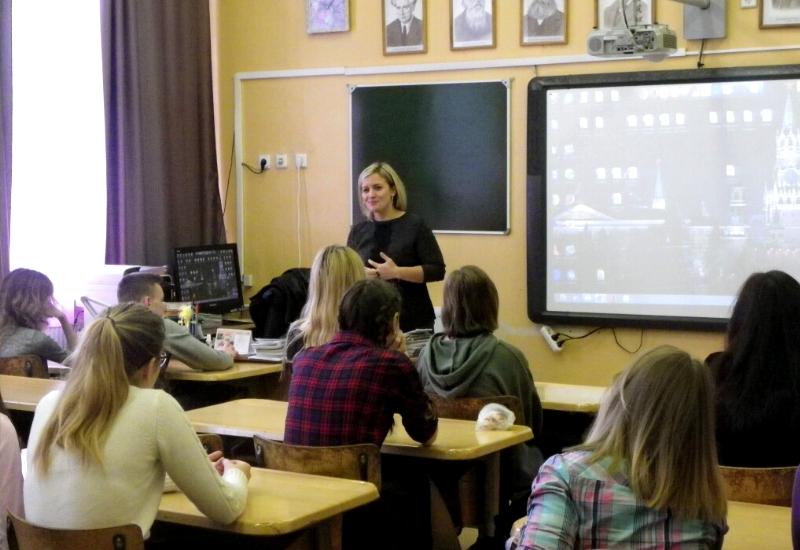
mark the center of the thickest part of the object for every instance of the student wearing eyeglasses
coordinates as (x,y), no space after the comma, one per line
(99,449)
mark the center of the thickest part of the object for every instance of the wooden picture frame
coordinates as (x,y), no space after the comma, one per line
(543,22)
(404,27)
(323,16)
(608,15)
(472,29)
(773,14)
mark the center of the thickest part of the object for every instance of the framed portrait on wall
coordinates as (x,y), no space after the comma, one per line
(779,13)
(609,14)
(472,24)
(404,27)
(543,22)
(327,16)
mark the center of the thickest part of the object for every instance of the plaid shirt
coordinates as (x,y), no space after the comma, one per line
(347,392)
(575,504)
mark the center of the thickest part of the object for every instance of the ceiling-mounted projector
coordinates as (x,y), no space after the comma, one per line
(653,42)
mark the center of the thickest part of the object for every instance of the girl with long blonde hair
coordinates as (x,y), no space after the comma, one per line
(99,448)
(335,269)
(647,474)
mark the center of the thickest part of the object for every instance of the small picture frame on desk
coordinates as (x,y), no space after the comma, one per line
(404,27)
(323,16)
(543,22)
(779,13)
(609,14)
(472,24)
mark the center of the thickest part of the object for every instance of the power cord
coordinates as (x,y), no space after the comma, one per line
(700,63)
(253,170)
(561,338)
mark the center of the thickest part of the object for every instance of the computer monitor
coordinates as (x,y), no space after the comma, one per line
(208,276)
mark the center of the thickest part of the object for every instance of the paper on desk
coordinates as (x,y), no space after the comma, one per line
(239,338)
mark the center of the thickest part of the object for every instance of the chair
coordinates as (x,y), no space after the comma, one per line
(467,408)
(361,462)
(211,442)
(31,366)
(796,512)
(33,537)
(760,485)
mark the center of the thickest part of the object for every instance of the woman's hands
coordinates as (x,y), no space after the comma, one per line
(387,270)
(54,310)
(222,464)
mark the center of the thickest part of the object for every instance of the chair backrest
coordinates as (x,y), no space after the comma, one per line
(32,366)
(211,442)
(361,462)
(760,485)
(33,537)
(467,408)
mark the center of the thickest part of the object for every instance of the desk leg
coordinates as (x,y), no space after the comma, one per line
(327,535)
(491,492)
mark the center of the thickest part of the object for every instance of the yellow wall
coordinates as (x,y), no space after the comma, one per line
(311,115)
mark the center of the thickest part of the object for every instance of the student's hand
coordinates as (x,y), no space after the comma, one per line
(216,459)
(397,341)
(54,310)
(238,464)
(370,273)
(387,270)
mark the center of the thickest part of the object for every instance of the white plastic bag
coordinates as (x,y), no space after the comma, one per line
(495,416)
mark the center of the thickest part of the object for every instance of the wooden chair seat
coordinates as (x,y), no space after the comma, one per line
(361,462)
(759,485)
(32,366)
(33,537)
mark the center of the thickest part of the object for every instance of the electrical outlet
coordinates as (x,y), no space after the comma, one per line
(247,280)
(301,160)
(282,161)
(748,3)
(264,161)
(551,338)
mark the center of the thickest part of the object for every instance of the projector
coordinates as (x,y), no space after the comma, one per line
(654,42)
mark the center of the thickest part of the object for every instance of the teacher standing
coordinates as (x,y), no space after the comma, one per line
(395,245)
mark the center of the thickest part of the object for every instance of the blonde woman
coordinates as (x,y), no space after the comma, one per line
(647,474)
(99,449)
(395,245)
(26,303)
(335,269)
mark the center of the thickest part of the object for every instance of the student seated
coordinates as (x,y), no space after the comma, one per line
(145,288)
(10,474)
(469,361)
(758,375)
(348,390)
(98,449)
(26,302)
(333,272)
(646,476)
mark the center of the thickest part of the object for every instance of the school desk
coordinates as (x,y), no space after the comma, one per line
(758,526)
(177,370)
(22,393)
(456,440)
(279,503)
(570,397)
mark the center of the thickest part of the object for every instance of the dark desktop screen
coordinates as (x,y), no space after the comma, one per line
(207,275)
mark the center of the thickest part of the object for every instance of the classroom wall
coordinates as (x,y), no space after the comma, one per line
(311,115)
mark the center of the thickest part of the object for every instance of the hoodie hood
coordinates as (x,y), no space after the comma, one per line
(451,365)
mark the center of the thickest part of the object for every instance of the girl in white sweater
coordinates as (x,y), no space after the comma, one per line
(99,449)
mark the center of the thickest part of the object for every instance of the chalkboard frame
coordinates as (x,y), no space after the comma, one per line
(501,192)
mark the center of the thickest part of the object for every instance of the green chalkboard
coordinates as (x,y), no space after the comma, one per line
(449,144)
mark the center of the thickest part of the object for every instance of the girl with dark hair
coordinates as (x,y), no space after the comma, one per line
(758,375)
(26,303)
(99,449)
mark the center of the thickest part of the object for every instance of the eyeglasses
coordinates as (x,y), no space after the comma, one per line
(163,359)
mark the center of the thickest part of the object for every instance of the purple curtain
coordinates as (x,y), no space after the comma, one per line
(5,134)
(161,162)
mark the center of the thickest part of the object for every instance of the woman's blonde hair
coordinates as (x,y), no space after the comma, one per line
(384,170)
(25,297)
(657,420)
(335,269)
(112,349)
